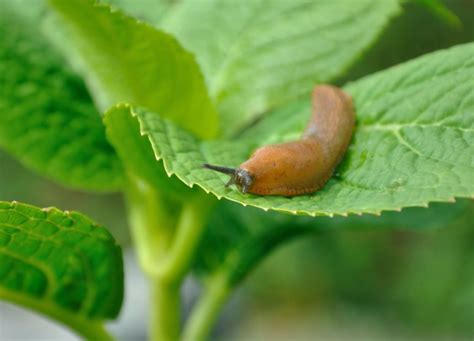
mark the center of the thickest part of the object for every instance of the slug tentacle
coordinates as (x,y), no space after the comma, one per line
(303,166)
(241,177)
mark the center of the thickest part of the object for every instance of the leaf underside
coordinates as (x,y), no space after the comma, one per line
(59,263)
(414,142)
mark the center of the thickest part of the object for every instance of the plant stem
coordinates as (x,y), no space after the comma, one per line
(150,223)
(166,314)
(166,240)
(207,309)
(187,236)
(165,311)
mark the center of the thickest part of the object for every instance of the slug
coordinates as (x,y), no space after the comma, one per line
(302,166)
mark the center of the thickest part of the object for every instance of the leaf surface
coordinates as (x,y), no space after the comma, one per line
(413,144)
(266,53)
(47,119)
(151,11)
(137,156)
(124,60)
(59,263)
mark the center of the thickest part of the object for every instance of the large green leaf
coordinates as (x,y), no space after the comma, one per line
(414,142)
(47,119)
(261,55)
(125,60)
(61,264)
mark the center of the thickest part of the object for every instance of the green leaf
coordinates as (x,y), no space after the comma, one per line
(413,142)
(441,11)
(29,12)
(137,155)
(125,60)
(266,53)
(47,119)
(60,264)
(151,11)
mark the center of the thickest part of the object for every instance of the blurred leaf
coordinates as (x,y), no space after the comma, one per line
(412,34)
(441,11)
(414,279)
(439,279)
(47,119)
(60,264)
(264,54)
(29,12)
(125,60)
(151,11)
(238,238)
(413,143)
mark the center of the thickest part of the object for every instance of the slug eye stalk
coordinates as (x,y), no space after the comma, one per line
(240,177)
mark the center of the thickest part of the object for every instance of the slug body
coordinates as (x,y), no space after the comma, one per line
(302,166)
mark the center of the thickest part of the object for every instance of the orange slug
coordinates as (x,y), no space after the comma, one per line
(302,166)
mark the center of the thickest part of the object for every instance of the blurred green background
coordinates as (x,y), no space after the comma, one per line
(354,283)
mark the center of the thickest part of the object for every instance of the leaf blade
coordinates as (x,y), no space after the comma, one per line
(125,60)
(137,156)
(151,11)
(61,264)
(47,119)
(247,63)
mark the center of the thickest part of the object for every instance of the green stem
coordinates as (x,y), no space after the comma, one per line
(151,223)
(206,311)
(187,236)
(166,240)
(165,313)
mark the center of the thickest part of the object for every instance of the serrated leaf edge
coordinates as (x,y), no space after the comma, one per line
(158,157)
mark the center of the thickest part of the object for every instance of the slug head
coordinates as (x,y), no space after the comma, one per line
(240,177)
